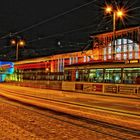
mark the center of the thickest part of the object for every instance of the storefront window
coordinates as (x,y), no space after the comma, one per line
(112,75)
(130,75)
(96,75)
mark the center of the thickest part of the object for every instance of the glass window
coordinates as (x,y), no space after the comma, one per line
(88,58)
(118,49)
(118,56)
(109,44)
(70,60)
(109,56)
(130,55)
(77,75)
(124,56)
(119,42)
(136,47)
(85,58)
(124,41)
(96,75)
(130,75)
(136,55)
(105,54)
(99,75)
(104,50)
(130,47)
(105,57)
(76,59)
(125,48)
(130,41)
(83,75)
(109,50)
(112,75)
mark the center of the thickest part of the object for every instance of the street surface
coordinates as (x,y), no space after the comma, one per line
(18,123)
(124,112)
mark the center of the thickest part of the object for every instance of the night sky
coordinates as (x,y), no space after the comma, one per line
(44,23)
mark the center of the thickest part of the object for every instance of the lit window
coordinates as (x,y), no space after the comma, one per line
(130,47)
(118,49)
(119,42)
(125,56)
(85,58)
(109,56)
(88,58)
(136,55)
(124,41)
(109,50)
(130,41)
(136,47)
(118,56)
(130,55)
(125,48)
(70,59)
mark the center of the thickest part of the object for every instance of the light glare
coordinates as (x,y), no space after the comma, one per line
(119,13)
(13,42)
(108,9)
(21,43)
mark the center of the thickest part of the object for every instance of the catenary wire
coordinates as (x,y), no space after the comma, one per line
(47,20)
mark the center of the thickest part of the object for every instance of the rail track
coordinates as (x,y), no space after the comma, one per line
(113,131)
(105,128)
(74,103)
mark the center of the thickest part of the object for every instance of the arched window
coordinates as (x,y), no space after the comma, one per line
(125,49)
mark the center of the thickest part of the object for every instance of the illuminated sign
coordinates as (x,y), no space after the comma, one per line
(5,68)
(132,61)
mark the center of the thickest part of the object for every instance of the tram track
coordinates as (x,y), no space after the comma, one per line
(117,133)
(93,107)
(94,121)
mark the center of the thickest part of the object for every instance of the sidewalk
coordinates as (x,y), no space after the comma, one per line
(75,93)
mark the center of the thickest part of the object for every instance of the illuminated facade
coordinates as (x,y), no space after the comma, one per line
(6,69)
(95,65)
(127,43)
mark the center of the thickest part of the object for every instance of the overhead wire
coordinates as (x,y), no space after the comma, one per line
(55,35)
(54,17)
(47,20)
(44,21)
(62,33)
(67,32)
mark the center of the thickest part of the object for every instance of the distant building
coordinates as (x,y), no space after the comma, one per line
(104,63)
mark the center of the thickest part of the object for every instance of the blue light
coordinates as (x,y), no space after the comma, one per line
(8,70)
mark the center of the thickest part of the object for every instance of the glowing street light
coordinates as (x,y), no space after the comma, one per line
(108,9)
(119,13)
(18,43)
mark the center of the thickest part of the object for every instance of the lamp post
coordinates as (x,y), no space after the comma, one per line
(18,43)
(116,13)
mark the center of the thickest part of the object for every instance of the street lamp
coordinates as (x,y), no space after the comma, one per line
(18,43)
(116,13)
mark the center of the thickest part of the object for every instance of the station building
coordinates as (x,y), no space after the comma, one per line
(110,64)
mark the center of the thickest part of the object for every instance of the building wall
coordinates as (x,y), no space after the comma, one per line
(102,50)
